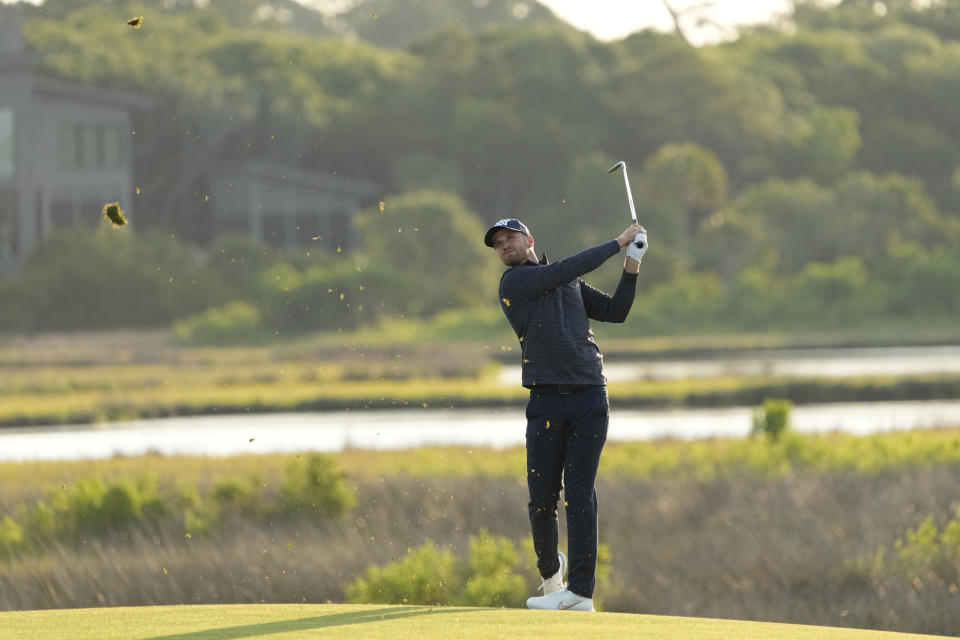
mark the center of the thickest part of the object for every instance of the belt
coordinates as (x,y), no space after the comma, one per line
(562,389)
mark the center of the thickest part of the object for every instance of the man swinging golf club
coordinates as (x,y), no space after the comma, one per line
(549,308)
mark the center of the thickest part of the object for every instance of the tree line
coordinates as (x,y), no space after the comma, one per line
(805,172)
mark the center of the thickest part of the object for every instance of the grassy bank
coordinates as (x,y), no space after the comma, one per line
(659,459)
(107,377)
(745,529)
(375,622)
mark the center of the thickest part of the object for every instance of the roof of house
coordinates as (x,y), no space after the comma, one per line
(90,94)
(271,171)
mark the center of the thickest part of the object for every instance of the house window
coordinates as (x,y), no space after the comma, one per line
(6,144)
(90,145)
(8,224)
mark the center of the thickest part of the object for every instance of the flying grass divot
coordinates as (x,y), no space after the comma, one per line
(383,622)
(114,213)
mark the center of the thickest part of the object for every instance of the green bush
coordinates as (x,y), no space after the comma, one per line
(490,577)
(314,485)
(92,505)
(772,419)
(930,554)
(487,578)
(927,556)
(108,278)
(334,295)
(40,523)
(426,575)
(11,536)
(233,323)
(236,495)
(122,505)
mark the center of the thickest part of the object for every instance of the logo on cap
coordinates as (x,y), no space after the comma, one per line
(506,223)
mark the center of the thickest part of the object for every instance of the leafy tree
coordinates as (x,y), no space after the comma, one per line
(726,108)
(875,210)
(593,205)
(727,243)
(799,217)
(687,180)
(831,295)
(912,148)
(772,160)
(435,244)
(397,23)
(821,145)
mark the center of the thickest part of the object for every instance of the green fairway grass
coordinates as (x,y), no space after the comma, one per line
(374,622)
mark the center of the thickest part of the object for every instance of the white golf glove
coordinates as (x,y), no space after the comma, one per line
(638,247)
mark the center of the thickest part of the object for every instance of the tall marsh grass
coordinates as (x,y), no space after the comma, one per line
(750,529)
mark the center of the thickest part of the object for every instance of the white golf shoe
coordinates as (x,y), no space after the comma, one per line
(563,600)
(555,582)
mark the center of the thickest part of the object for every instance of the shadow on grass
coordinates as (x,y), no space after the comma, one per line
(302,624)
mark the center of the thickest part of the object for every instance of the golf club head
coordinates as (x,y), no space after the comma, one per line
(619,165)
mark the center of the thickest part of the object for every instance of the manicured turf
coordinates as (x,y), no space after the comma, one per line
(376,622)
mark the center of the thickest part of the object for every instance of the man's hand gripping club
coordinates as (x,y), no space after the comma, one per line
(634,238)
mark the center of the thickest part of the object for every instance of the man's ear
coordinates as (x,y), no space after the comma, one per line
(529,241)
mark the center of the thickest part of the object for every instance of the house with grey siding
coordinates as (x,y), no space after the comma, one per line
(284,206)
(65,150)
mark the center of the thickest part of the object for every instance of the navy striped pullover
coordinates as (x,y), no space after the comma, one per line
(549,308)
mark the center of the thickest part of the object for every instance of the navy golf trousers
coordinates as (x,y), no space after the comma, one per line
(566,431)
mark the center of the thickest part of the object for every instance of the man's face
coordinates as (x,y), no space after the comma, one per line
(511,246)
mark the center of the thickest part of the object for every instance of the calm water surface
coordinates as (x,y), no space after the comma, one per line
(335,431)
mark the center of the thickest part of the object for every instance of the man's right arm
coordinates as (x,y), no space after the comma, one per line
(527,282)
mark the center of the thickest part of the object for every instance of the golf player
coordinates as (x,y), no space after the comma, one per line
(549,308)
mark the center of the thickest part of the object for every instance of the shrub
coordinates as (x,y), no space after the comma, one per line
(925,557)
(11,536)
(334,295)
(930,554)
(773,419)
(426,575)
(110,278)
(39,523)
(122,504)
(236,495)
(314,485)
(490,578)
(233,323)
(487,578)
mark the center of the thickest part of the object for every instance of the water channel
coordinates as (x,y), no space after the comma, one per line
(336,431)
(407,428)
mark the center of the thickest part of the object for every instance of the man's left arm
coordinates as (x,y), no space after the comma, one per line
(600,306)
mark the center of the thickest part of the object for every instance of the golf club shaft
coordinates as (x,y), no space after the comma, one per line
(626,181)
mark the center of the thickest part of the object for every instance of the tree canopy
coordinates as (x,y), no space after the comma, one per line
(828,138)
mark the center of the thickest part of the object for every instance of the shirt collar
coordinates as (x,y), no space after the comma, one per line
(543,261)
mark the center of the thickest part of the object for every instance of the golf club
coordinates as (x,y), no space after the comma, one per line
(626,182)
